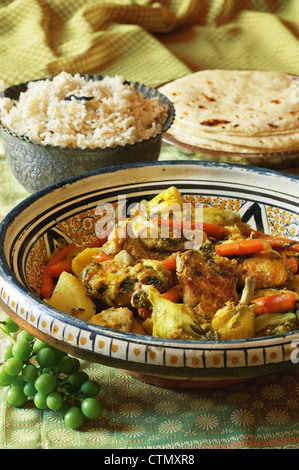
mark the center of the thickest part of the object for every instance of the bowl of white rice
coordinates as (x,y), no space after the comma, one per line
(59,127)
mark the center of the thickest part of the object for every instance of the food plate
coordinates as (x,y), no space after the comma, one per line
(237,116)
(28,234)
(273,160)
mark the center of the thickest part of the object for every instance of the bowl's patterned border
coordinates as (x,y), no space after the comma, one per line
(74,220)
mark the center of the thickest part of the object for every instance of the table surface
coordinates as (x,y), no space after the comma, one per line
(262,413)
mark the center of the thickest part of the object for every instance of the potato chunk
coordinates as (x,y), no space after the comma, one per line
(69,296)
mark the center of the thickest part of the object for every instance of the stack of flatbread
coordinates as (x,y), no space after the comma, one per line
(236,111)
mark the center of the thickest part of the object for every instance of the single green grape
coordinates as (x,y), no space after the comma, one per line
(65,364)
(7,353)
(22,349)
(40,400)
(30,373)
(18,380)
(54,401)
(5,378)
(90,388)
(46,357)
(15,396)
(13,366)
(23,334)
(76,379)
(63,409)
(76,365)
(9,325)
(38,345)
(73,417)
(91,408)
(45,383)
(29,389)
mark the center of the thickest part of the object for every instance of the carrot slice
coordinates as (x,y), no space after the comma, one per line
(241,247)
(62,254)
(47,279)
(144,313)
(173,294)
(98,242)
(47,284)
(290,259)
(212,230)
(250,232)
(61,266)
(276,303)
(170,263)
(100,257)
(275,242)
(215,231)
(280,242)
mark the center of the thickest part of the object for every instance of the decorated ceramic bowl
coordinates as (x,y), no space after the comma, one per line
(28,235)
(36,165)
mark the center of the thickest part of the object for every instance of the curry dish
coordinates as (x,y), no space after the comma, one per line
(180,272)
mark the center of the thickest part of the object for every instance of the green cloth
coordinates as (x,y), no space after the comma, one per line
(143,40)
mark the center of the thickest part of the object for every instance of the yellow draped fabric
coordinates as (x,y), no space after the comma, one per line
(143,40)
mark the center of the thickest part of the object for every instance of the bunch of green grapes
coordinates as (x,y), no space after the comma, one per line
(34,370)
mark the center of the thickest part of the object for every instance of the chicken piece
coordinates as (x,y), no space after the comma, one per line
(137,249)
(120,319)
(237,321)
(267,267)
(156,237)
(173,320)
(114,281)
(208,282)
(151,234)
(116,239)
(120,239)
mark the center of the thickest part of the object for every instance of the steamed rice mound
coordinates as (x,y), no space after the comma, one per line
(69,111)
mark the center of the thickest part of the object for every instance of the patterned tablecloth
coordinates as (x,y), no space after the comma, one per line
(262,413)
